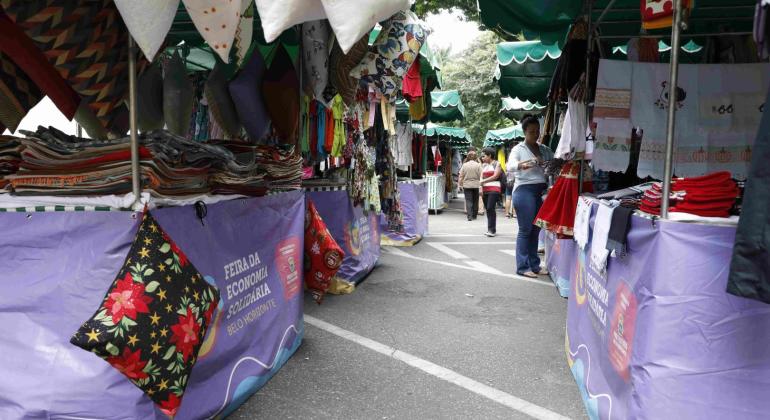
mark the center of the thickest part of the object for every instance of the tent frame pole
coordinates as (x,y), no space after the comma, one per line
(136,186)
(672,105)
(589,48)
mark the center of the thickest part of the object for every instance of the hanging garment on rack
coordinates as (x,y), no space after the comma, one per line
(412,88)
(556,215)
(612,105)
(404,145)
(573,137)
(582,227)
(601,231)
(750,267)
(305,126)
(338,111)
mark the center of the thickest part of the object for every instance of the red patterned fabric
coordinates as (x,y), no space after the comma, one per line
(558,211)
(657,14)
(323,256)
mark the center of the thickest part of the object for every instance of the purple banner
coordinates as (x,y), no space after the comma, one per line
(357,233)
(57,266)
(658,336)
(414,205)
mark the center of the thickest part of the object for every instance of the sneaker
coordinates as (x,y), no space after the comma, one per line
(491,234)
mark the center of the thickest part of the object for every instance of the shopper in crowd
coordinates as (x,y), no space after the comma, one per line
(526,161)
(491,188)
(510,178)
(470,176)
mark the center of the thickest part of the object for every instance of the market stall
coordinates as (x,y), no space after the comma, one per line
(356,231)
(414,204)
(443,143)
(204,286)
(655,324)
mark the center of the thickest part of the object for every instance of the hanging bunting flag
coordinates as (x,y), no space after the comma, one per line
(217,22)
(148,21)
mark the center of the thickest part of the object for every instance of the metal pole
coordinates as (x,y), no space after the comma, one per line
(79,130)
(672,103)
(589,48)
(604,12)
(136,186)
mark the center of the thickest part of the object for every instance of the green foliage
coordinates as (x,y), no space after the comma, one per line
(471,73)
(467,7)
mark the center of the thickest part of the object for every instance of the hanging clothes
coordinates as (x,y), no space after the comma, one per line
(601,231)
(329,134)
(412,87)
(338,111)
(750,267)
(321,130)
(305,126)
(556,214)
(573,136)
(418,109)
(582,218)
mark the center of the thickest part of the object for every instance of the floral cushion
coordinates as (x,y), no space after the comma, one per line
(153,318)
(392,54)
(323,256)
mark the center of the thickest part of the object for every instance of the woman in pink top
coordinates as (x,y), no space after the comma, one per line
(491,187)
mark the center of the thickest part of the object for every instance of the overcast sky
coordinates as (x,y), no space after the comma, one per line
(447,30)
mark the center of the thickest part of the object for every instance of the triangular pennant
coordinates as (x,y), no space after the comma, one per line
(148,21)
(217,21)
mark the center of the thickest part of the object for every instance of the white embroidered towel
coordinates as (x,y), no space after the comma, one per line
(601,231)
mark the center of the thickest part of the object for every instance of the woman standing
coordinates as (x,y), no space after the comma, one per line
(526,162)
(491,188)
(470,175)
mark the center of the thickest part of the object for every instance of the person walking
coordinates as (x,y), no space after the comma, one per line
(470,175)
(491,188)
(510,178)
(526,161)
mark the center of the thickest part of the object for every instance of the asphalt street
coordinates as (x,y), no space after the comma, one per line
(443,329)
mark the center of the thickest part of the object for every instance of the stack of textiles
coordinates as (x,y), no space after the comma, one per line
(53,163)
(10,157)
(712,195)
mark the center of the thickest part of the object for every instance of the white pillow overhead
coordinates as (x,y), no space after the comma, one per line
(280,15)
(148,21)
(216,21)
(348,20)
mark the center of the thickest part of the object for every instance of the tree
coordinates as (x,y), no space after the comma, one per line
(469,8)
(471,73)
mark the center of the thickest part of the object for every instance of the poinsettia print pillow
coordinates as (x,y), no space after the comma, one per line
(153,318)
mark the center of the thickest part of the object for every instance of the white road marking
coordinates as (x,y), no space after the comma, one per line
(464,258)
(462,235)
(448,251)
(399,253)
(440,372)
(511,252)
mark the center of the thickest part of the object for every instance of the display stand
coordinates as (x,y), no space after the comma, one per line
(414,206)
(57,265)
(657,333)
(436,191)
(357,233)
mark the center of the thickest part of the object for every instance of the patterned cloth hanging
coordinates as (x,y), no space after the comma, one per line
(18,94)
(87,44)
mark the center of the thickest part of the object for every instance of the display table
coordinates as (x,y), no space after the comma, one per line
(436,191)
(57,266)
(657,336)
(357,233)
(414,206)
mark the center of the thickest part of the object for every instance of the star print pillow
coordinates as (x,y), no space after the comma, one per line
(152,321)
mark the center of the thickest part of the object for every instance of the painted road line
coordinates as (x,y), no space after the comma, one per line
(511,252)
(448,251)
(464,258)
(440,372)
(399,253)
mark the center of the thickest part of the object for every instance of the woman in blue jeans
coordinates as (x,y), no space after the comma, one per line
(526,162)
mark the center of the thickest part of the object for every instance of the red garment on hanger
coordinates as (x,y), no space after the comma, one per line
(412,86)
(329,140)
(313,129)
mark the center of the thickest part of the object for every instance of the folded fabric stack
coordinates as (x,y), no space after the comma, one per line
(712,195)
(10,157)
(53,163)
